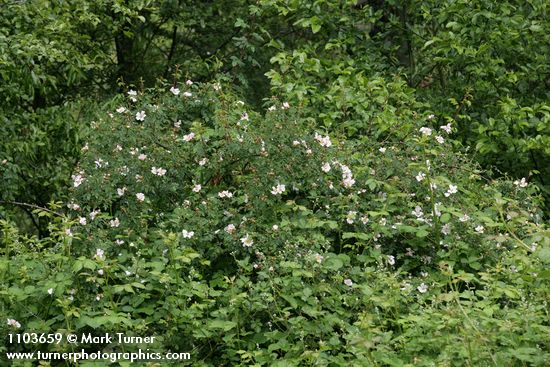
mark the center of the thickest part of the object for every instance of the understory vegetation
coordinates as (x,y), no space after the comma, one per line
(277,182)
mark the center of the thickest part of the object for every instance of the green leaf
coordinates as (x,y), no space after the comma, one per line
(544,255)
(333,263)
(359,235)
(315,24)
(422,233)
(225,325)
(291,300)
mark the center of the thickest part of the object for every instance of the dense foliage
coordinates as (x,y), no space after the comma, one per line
(278,183)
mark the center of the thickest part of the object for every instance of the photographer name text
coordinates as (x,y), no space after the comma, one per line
(85,338)
(119,338)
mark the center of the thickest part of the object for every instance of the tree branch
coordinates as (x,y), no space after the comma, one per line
(30,206)
(172,51)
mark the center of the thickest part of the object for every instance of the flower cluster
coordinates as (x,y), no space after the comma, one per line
(347,176)
(247,241)
(140,116)
(324,141)
(278,189)
(14,323)
(78,179)
(187,234)
(158,171)
(188,137)
(521,183)
(225,194)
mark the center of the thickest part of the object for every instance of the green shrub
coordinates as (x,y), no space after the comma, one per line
(250,238)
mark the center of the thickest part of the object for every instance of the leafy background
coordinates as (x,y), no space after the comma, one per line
(386,164)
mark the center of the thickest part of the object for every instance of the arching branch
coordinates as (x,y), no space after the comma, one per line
(30,206)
